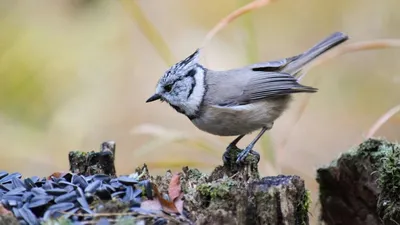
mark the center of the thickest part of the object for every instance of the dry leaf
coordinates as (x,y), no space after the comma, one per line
(56,175)
(167,206)
(174,189)
(159,203)
(179,203)
(4,211)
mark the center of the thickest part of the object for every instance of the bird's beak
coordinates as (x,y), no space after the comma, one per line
(153,98)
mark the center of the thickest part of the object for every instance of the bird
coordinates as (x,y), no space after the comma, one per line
(239,101)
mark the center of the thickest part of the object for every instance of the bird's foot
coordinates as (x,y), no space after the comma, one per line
(226,156)
(243,154)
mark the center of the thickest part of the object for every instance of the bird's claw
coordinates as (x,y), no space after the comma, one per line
(243,154)
(225,157)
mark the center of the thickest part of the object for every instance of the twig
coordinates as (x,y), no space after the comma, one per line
(383,119)
(232,16)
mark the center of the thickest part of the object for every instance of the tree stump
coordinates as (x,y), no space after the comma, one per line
(234,194)
(90,163)
(362,186)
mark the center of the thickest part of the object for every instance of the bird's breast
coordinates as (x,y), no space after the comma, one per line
(238,120)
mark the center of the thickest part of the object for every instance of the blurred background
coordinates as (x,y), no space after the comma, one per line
(76,73)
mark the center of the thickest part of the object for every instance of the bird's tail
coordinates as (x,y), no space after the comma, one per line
(300,61)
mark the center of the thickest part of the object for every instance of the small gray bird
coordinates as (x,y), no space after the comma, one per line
(239,101)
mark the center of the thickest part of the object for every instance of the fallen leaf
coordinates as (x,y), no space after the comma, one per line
(167,206)
(174,189)
(4,211)
(56,175)
(179,203)
(159,203)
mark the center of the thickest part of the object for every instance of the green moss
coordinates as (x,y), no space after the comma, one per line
(385,159)
(79,153)
(389,181)
(194,177)
(195,174)
(304,207)
(216,190)
(373,147)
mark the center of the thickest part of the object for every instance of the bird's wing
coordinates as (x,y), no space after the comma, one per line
(245,86)
(271,84)
(272,66)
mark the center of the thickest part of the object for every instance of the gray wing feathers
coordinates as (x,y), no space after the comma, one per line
(294,64)
(323,46)
(272,85)
(244,86)
(265,80)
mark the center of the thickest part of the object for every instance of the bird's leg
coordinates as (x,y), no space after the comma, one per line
(243,154)
(225,156)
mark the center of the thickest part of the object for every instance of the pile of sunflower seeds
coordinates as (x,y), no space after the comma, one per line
(34,200)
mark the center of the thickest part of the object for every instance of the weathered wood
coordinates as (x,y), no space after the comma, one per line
(89,163)
(362,186)
(234,194)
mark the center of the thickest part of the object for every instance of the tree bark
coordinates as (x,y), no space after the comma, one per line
(90,163)
(361,187)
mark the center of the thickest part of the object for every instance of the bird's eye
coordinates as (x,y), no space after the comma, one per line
(168,87)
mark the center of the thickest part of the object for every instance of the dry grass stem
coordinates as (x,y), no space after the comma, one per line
(383,119)
(232,16)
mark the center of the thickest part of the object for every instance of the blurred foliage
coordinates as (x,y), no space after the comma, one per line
(22,93)
(149,31)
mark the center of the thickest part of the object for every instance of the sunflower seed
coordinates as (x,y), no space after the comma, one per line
(61,206)
(28,216)
(66,197)
(38,201)
(48,185)
(38,191)
(29,183)
(9,177)
(56,191)
(3,174)
(91,188)
(127,180)
(79,181)
(17,183)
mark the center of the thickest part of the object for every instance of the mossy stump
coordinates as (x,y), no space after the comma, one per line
(362,186)
(234,194)
(90,163)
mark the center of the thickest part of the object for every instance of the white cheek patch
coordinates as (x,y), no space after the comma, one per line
(193,103)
